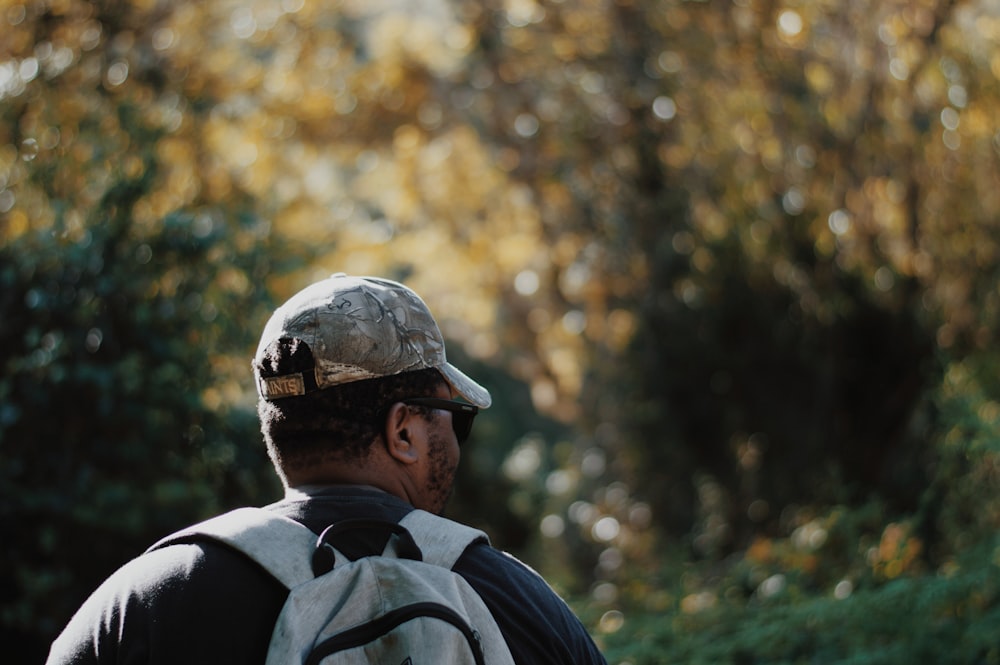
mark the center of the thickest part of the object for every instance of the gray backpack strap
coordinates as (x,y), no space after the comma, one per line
(279,544)
(284,547)
(441,540)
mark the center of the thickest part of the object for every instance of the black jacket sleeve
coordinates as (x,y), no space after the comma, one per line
(538,626)
(196,603)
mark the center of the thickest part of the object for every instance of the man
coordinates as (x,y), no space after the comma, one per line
(358,411)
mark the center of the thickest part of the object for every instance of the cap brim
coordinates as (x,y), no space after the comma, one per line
(466,387)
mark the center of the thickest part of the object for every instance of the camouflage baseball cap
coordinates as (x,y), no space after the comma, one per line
(359,328)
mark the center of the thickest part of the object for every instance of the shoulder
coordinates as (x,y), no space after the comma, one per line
(538,625)
(170,604)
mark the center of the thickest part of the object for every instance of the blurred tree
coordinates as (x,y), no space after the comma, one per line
(763,190)
(123,289)
(112,414)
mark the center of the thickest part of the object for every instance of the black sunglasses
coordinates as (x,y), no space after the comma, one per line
(462,414)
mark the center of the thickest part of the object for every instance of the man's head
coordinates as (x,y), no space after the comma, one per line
(335,368)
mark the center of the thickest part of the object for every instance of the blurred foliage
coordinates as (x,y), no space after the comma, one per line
(114,420)
(931,619)
(729,268)
(847,584)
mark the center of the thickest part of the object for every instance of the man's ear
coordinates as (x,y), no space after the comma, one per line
(399,431)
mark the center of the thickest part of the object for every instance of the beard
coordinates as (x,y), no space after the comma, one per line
(441,473)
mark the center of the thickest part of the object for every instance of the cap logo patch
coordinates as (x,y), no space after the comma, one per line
(283,386)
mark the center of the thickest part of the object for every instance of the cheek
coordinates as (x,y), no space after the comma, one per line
(442,464)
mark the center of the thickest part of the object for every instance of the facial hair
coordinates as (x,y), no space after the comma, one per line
(441,472)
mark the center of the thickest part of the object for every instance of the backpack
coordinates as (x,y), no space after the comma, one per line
(404,607)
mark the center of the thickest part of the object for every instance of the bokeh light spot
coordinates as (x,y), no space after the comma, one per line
(790,22)
(605,529)
(526,282)
(612,621)
(552,526)
(664,108)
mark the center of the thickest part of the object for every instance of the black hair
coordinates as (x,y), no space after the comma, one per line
(338,423)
